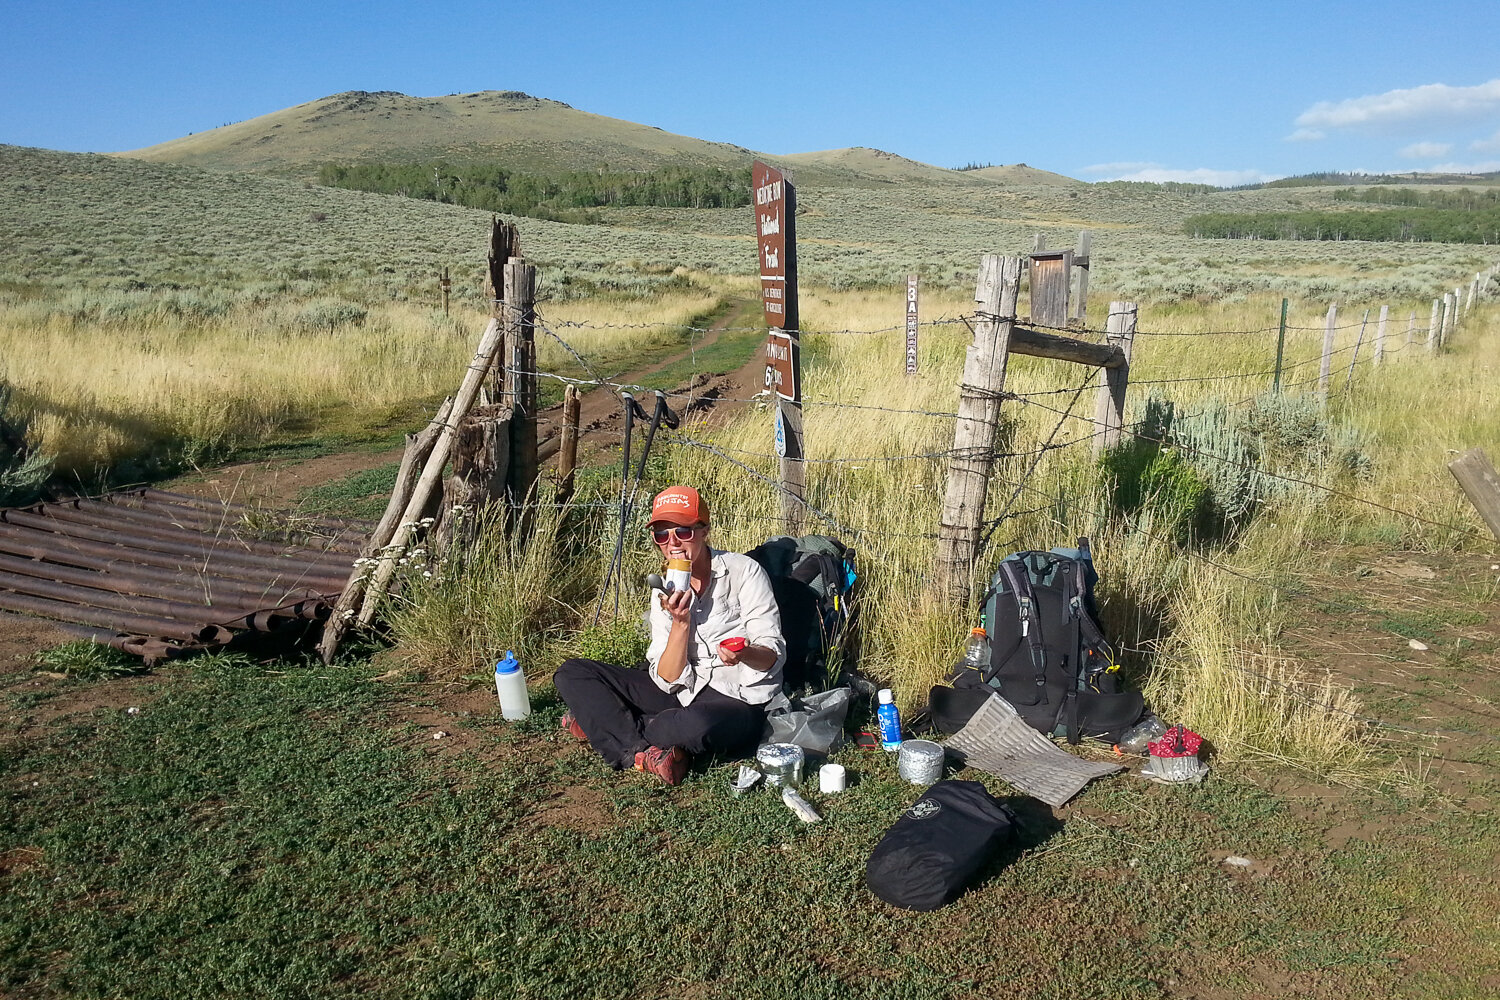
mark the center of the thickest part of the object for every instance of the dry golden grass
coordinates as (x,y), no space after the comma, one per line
(99,392)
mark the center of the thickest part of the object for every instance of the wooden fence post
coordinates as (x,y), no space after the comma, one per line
(1109,410)
(520,377)
(1434,331)
(481,462)
(1477,476)
(1472,292)
(1450,318)
(1354,355)
(1380,336)
(1411,329)
(1280,350)
(1081,263)
(1325,366)
(567,453)
(978,423)
(505,243)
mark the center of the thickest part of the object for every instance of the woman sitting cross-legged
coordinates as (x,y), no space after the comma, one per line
(714,661)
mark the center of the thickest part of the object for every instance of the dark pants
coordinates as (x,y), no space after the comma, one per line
(623,711)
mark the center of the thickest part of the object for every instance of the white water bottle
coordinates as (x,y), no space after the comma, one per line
(510,685)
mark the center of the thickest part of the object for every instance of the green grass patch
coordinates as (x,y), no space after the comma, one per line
(290,833)
(363,494)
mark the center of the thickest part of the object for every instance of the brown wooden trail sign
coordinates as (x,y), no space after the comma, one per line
(775,205)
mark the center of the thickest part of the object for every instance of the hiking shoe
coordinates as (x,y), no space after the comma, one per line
(670,765)
(570,725)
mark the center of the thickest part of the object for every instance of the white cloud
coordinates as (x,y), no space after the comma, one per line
(1425,150)
(1158,174)
(1490,145)
(1483,167)
(1306,135)
(1102,169)
(1415,105)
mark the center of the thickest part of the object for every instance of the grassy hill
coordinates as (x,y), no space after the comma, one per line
(528,133)
(520,131)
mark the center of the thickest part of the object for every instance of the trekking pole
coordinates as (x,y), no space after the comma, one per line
(630,406)
(661,414)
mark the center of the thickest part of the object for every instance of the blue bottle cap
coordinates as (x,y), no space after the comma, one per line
(507,665)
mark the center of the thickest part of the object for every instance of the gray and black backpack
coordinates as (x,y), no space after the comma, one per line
(1048,656)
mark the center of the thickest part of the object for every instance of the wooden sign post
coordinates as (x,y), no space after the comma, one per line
(775,205)
(911,324)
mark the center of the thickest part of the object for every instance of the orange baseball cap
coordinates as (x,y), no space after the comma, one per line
(679,505)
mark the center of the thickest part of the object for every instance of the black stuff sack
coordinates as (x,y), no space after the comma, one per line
(930,855)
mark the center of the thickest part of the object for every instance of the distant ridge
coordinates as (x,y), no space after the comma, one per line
(516,129)
(1021,174)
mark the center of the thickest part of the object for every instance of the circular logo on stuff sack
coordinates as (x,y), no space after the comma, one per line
(925,809)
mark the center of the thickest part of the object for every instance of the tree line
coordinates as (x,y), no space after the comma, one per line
(561,197)
(1464,199)
(1396,225)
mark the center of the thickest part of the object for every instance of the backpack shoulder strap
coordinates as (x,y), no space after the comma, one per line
(1019,582)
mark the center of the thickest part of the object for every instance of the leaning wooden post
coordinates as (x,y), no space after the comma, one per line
(1325,367)
(978,423)
(1434,330)
(520,378)
(567,452)
(432,472)
(1450,318)
(418,447)
(1477,476)
(1473,291)
(1109,410)
(1380,336)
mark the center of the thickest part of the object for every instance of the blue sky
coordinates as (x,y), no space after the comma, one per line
(1224,92)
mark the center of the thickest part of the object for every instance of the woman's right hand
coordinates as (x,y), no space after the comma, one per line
(678,604)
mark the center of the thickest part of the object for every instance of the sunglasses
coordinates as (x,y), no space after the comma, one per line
(683,534)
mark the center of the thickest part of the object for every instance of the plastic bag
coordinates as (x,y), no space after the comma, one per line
(814,723)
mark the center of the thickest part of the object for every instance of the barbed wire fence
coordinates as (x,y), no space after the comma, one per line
(1361,358)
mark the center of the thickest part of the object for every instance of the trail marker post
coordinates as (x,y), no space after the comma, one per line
(775,205)
(911,324)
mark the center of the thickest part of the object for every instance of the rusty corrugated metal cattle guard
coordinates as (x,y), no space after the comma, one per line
(162,574)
